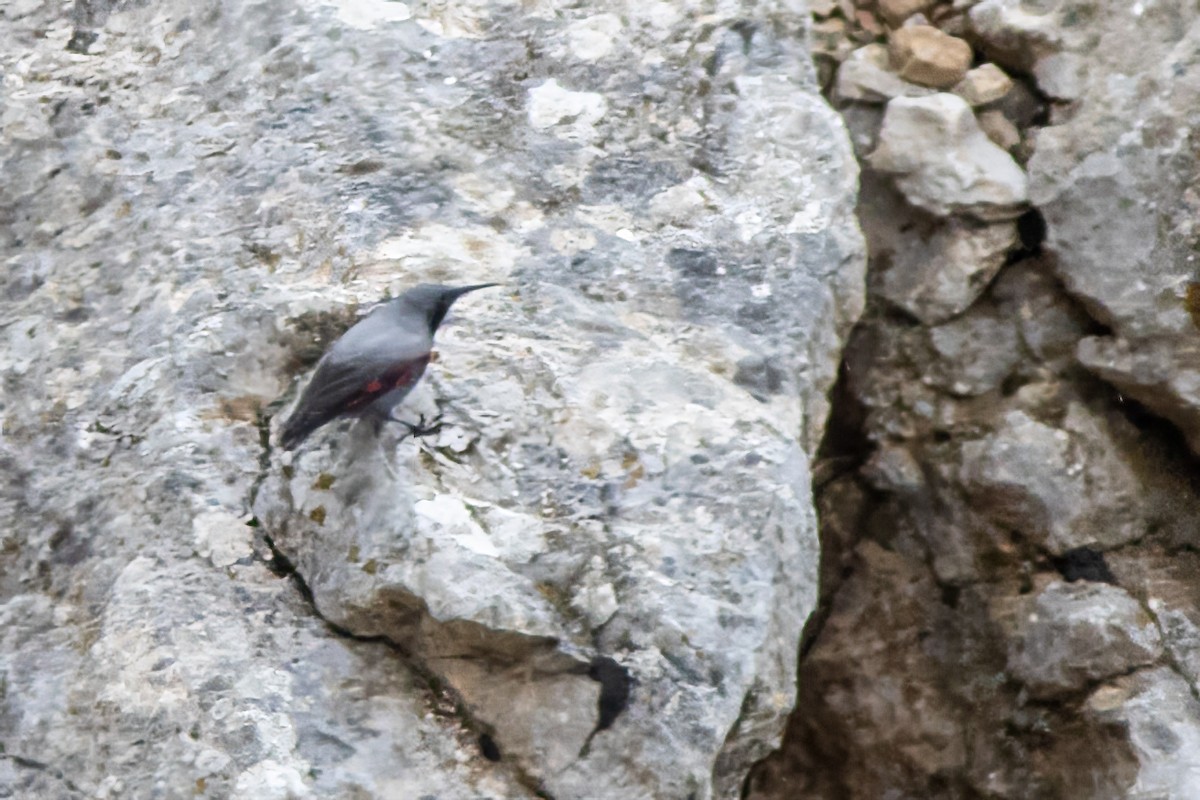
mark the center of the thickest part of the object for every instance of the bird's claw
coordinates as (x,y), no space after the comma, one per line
(420,429)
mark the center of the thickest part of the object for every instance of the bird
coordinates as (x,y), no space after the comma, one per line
(375,364)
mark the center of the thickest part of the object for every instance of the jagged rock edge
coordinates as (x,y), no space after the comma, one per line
(281,565)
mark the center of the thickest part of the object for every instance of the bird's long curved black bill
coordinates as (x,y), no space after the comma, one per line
(461,290)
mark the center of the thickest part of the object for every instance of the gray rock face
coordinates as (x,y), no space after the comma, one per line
(942,279)
(1043,480)
(1160,711)
(1073,634)
(1010,574)
(596,574)
(1116,184)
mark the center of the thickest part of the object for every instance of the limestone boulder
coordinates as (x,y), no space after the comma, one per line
(593,582)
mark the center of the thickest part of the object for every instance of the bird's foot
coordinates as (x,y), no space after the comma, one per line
(419,429)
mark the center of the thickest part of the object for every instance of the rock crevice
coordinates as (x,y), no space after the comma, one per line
(1005,572)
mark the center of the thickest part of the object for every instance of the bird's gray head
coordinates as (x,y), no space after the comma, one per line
(433,300)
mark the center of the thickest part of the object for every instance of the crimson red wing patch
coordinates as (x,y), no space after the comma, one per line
(397,377)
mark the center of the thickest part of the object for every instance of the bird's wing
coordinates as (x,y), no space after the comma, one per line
(345,386)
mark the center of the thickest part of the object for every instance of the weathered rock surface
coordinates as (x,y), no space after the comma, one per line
(1159,710)
(943,162)
(971,504)
(1117,186)
(914,720)
(1042,480)
(1014,33)
(1070,635)
(1060,75)
(949,271)
(592,584)
(1009,600)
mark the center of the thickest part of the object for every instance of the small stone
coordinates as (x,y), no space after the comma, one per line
(1048,482)
(893,468)
(940,277)
(944,163)
(867,77)
(869,23)
(821,9)
(1060,75)
(593,37)
(999,129)
(862,123)
(568,114)
(1051,325)
(984,84)
(974,353)
(896,11)
(923,54)
(949,21)
(1076,634)
(1012,35)
(829,39)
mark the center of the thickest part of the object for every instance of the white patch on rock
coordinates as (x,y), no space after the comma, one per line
(482,195)
(570,242)
(811,218)
(427,249)
(592,38)
(750,223)
(221,537)
(271,780)
(453,20)
(685,204)
(451,514)
(608,218)
(595,597)
(571,115)
(367,14)
(1060,75)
